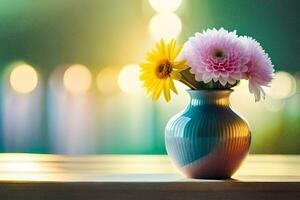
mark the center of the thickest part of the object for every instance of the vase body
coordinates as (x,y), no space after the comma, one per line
(208,139)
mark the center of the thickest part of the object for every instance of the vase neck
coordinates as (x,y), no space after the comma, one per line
(212,97)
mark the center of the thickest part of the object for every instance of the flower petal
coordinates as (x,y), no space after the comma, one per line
(222,80)
(206,78)
(162,55)
(172,86)
(157,90)
(175,75)
(167,91)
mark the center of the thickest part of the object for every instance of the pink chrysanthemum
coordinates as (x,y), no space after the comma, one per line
(216,55)
(260,69)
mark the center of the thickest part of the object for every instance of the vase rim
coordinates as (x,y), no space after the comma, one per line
(210,91)
(211,96)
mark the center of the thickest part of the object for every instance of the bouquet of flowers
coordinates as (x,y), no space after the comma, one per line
(211,60)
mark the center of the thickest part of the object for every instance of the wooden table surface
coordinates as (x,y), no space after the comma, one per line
(43,177)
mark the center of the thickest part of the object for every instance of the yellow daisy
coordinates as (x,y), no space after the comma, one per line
(161,69)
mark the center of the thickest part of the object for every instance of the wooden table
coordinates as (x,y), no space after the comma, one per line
(43,177)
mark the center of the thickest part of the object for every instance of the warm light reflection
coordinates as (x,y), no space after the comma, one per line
(283,86)
(23,78)
(20,167)
(77,79)
(25,167)
(165,5)
(165,25)
(128,79)
(33,167)
(107,80)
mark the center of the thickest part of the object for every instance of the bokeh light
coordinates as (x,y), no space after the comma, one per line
(165,25)
(293,108)
(297,77)
(128,79)
(242,100)
(273,105)
(107,80)
(283,86)
(165,5)
(23,78)
(77,79)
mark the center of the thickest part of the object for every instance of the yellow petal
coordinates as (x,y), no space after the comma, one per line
(153,56)
(164,49)
(167,91)
(144,76)
(150,86)
(175,75)
(172,86)
(158,48)
(177,51)
(147,66)
(180,65)
(171,49)
(157,90)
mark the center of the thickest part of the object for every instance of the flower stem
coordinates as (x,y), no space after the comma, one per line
(184,81)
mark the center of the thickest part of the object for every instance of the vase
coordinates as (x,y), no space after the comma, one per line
(208,139)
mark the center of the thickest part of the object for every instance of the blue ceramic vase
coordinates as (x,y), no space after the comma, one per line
(208,139)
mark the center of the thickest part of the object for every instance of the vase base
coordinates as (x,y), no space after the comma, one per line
(217,165)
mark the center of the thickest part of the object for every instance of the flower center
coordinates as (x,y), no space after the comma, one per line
(164,70)
(219,54)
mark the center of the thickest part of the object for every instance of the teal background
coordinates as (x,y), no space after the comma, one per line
(50,32)
(100,33)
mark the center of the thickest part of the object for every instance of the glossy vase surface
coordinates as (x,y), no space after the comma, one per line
(208,139)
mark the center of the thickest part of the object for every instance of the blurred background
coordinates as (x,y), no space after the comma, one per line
(69,72)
